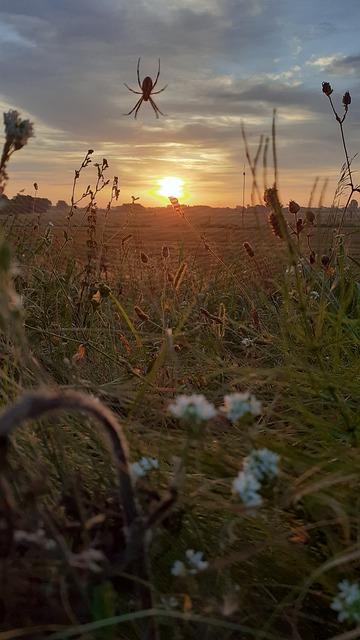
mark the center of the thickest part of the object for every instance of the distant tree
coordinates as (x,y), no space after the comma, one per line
(62,204)
(353,205)
(29,204)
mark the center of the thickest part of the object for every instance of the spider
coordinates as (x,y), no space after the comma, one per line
(146,92)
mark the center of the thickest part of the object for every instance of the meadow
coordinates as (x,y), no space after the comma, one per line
(180,433)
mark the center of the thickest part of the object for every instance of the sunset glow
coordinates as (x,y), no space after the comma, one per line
(170,186)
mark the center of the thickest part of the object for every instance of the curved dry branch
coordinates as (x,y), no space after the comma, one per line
(38,403)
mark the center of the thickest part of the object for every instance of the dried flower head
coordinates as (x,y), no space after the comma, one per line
(144,258)
(326,88)
(271,198)
(309,216)
(299,225)
(294,207)
(249,250)
(325,260)
(17,131)
(165,252)
(346,100)
(175,203)
(141,314)
(275,224)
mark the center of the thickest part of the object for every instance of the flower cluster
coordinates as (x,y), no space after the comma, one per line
(141,468)
(38,538)
(17,131)
(236,405)
(259,467)
(193,564)
(347,602)
(190,407)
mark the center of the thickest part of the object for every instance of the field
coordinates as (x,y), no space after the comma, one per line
(180,431)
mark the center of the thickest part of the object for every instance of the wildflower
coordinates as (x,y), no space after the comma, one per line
(178,569)
(262,464)
(194,406)
(141,468)
(17,131)
(246,342)
(246,485)
(195,560)
(347,602)
(236,405)
(193,564)
(38,538)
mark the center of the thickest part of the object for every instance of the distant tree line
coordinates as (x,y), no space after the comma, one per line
(21,204)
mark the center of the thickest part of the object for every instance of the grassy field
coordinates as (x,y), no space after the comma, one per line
(180,431)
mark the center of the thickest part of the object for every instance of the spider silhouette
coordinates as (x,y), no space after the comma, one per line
(147,90)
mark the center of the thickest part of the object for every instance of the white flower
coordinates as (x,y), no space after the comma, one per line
(347,602)
(236,405)
(246,342)
(178,569)
(38,538)
(193,564)
(195,406)
(262,463)
(195,561)
(141,468)
(246,485)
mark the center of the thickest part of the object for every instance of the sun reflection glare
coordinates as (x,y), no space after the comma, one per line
(170,186)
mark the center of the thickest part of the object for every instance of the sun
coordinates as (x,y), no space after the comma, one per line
(170,186)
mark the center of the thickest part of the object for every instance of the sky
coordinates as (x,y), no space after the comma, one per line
(227,63)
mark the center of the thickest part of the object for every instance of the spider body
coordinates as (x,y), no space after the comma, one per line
(147,87)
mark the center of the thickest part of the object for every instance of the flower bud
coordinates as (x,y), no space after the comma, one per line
(294,207)
(326,87)
(249,250)
(346,99)
(325,260)
(310,216)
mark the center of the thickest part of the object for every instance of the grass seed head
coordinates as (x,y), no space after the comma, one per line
(144,258)
(275,224)
(141,314)
(249,250)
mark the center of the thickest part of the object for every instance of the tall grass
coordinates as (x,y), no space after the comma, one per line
(168,345)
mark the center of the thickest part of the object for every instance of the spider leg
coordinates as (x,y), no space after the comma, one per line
(158,74)
(138,73)
(160,90)
(137,107)
(130,89)
(155,107)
